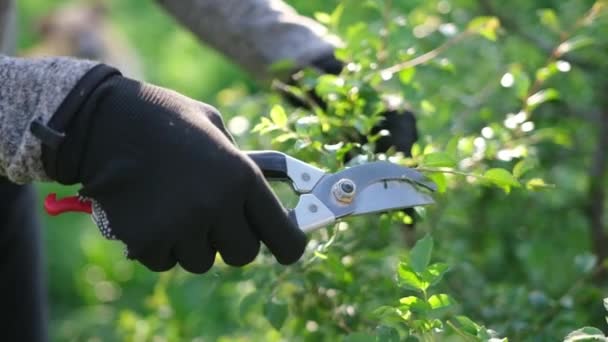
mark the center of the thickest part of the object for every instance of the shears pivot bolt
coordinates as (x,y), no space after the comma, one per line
(344,190)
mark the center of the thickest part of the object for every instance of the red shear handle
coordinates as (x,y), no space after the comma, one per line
(55,207)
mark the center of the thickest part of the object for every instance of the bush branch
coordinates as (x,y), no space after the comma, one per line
(426,57)
(487,8)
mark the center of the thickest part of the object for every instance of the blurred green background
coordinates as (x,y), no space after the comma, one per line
(524,264)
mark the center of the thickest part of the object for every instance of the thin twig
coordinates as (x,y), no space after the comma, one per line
(555,52)
(426,57)
(510,24)
(449,170)
(281,86)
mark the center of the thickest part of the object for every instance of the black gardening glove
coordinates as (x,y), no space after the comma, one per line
(164,176)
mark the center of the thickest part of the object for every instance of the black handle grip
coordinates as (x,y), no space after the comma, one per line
(274,166)
(272,163)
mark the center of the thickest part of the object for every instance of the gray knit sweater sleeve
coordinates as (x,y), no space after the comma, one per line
(254,33)
(31,89)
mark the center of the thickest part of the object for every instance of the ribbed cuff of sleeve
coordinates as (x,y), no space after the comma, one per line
(31,89)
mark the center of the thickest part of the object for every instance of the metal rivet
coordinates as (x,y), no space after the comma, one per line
(347,187)
(313,208)
(305,177)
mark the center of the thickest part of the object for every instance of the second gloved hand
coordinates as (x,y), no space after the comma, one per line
(165,177)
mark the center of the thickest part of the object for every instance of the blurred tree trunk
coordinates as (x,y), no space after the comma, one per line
(597,195)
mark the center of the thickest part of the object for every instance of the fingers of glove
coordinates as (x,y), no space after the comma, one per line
(403,132)
(270,221)
(234,240)
(216,119)
(195,255)
(156,259)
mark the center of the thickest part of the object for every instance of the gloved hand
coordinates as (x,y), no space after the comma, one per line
(165,177)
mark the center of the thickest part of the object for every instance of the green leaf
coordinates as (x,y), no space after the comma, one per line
(451,148)
(416,150)
(342,53)
(546,72)
(606,303)
(541,97)
(574,43)
(321,255)
(537,183)
(278,116)
(484,334)
(409,279)
(387,334)
(407,219)
(328,84)
(276,313)
(586,334)
(435,272)
(420,255)
(283,65)
(427,106)
(439,179)
(388,314)
(522,167)
(549,19)
(501,178)
(323,18)
(249,302)
(438,159)
(485,26)
(414,304)
(284,137)
(336,15)
(467,325)
(264,126)
(407,75)
(409,300)
(440,301)
(557,135)
(521,80)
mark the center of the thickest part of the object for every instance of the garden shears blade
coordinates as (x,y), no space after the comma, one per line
(358,190)
(323,197)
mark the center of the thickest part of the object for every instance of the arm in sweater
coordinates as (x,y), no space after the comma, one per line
(31,89)
(254,33)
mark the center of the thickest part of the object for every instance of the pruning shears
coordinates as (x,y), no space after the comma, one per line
(324,198)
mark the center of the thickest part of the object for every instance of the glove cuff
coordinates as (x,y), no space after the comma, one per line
(329,64)
(61,127)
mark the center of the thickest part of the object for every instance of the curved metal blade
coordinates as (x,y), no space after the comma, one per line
(389,195)
(384,171)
